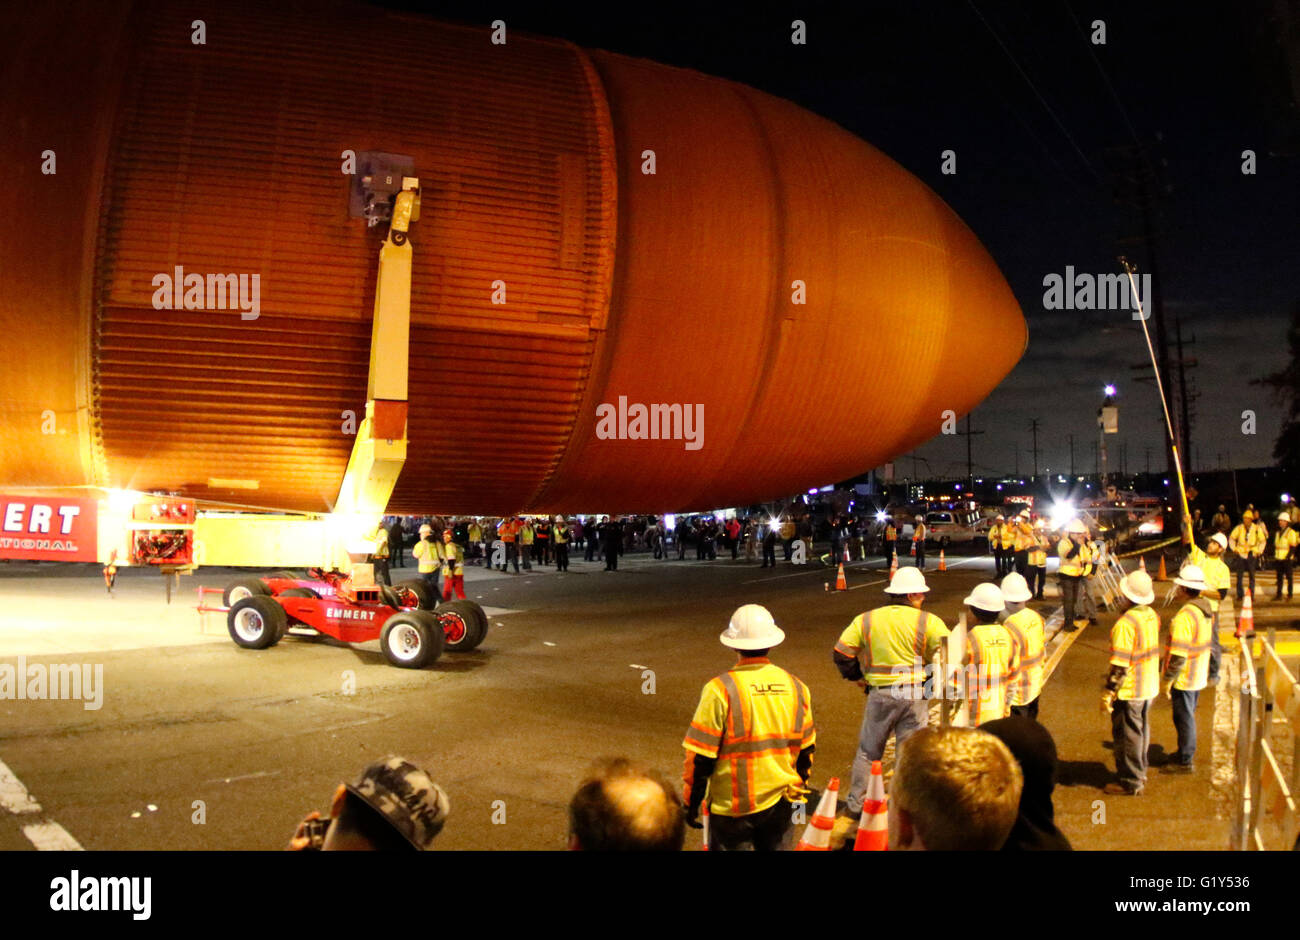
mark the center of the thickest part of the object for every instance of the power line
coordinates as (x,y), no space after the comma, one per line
(1034,88)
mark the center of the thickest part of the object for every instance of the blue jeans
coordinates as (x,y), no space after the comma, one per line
(1185,724)
(890,710)
(1130,724)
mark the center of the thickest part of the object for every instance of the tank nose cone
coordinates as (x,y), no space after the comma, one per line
(821,303)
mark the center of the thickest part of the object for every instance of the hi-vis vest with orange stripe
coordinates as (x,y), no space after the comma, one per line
(893,643)
(994,664)
(1135,645)
(1080,564)
(1026,628)
(1190,636)
(755,719)
(1038,551)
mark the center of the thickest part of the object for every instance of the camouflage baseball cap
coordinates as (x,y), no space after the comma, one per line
(405,796)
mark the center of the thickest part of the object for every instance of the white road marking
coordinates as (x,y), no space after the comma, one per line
(49,836)
(13,795)
(46,835)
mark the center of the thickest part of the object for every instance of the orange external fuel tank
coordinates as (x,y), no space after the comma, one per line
(676,286)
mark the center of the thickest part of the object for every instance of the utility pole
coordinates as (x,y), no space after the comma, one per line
(970,472)
(1148,450)
(1015,449)
(1033,426)
(1071,437)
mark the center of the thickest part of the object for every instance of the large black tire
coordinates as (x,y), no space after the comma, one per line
(420,588)
(411,639)
(298,592)
(287,575)
(256,622)
(244,587)
(464,623)
(389,597)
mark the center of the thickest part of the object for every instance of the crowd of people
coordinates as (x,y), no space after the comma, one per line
(981,779)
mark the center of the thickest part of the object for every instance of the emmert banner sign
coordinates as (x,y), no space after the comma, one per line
(39,528)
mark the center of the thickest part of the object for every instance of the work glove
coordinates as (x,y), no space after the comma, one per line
(1107,702)
(1168,689)
(693,819)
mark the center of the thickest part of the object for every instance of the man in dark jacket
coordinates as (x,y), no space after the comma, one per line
(397,541)
(611,542)
(1031,744)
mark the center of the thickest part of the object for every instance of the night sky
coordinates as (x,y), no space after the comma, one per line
(1034,111)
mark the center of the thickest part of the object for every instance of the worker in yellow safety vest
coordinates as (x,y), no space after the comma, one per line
(999,539)
(1133,681)
(1187,663)
(379,554)
(1218,583)
(749,747)
(1248,542)
(1076,555)
(887,652)
(891,542)
(453,567)
(1284,546)
(1027,630)
(992,662)
(526,534)
(1038,559)
(919,534)
(475,537)
(1022,539)
(560,539)
(428,555)
(508,532)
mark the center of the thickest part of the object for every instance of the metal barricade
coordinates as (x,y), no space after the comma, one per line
(1264,808)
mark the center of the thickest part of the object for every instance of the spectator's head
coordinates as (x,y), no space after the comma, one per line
(1216,545)
(393,807)
(624,807)
(955,789)
(1035,752)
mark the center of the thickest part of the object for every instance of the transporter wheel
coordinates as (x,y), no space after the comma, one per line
(388,596)
(245,587)
(256,622)
(411,639)
(299,592)
(421,590)
(464,623)
(286,575)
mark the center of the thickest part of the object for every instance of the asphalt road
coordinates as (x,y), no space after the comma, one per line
(202,745)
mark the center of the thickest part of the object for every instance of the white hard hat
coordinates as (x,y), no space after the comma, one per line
(987,597)
(1015,589)
(1076,527)
(1220,538)
(999,516)
(1136,586)
(1192,577)
(1284,517)
(919,519)
(1024,513)
(426,530)
(559,518)
(907,580)
(751,628)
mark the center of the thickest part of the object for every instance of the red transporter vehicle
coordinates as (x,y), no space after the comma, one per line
(411,632)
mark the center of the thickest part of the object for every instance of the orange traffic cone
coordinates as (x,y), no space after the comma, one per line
(1162,575)
(840,583)
(1246,618)
(817,837)
(893,566)
(943,562)
(1142,562)
(704,819)
(873,828)
(913,552)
